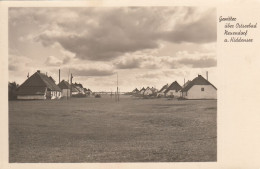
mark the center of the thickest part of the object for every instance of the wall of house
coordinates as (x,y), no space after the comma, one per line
(65,93)
(75,93)
(148,92)
(31,97)
(173,93)
(161,94)
(195,92)
(55,95)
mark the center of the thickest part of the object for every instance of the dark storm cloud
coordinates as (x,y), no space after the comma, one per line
(103,34)
(203,30)
(112,33)
(128,64)
(202,63)
(91,72)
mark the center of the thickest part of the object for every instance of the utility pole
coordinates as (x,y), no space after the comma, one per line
(117,96)
(71,85)
(68,86)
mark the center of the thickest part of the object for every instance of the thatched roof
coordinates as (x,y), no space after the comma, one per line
(197,81)
(186,83)
(78,85)
(64,85)
(37,84)
(164,88)
(143,89)
(52,79)
(174,86)
(74,88)
(135,90)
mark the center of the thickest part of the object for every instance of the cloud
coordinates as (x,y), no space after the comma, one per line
(91,72)
(104,34)
(149,75)
(53,61)
(128,64)
(203,30)
(202,63)
(18,63)
(116,31)
(12,67)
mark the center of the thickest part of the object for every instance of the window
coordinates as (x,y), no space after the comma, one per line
(202,89)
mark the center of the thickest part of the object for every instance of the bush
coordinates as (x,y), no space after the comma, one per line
(97,96)
(79,95)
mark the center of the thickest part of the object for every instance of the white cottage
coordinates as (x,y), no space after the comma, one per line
(80,88)
(174,90)
(74,90)
(161,92)
(142,91)
(148,91)
(65,88)
(199,88)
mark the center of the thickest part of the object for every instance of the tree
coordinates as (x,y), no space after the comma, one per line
(12,87)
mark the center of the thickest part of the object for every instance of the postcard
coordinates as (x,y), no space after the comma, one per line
(105,84)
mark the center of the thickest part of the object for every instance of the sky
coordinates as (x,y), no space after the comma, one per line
(145,46)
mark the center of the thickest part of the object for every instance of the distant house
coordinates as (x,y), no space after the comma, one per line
(74,90)
(186,83)
(162,90)
(79,88)
(199,88)
(154,90)
(38,86)
(148,91)
(65,88)
(174,90)
(87,91)
(135,91)
(142,91)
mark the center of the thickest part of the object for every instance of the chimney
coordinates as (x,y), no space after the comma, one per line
(38,71)
(46,74)
(207,74)
(59,75)
(184,82)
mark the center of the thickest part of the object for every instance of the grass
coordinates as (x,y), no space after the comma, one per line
(101,130)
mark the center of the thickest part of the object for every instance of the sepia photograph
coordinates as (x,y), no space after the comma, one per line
(112,84)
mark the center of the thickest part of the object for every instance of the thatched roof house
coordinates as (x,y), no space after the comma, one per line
(65,87)
(173,90)
(135,91)
(199,88)
(142,90)
(38,86)
(162,90)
